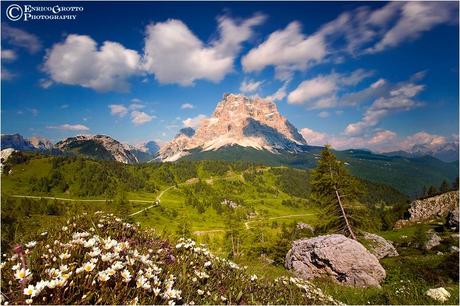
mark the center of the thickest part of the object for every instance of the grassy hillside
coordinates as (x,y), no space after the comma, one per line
(243,212)
(194,195)
(407,175)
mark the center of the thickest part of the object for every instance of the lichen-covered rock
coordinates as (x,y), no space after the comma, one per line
(433,240)
(430,208)
(439,294)
(379,246)
(344,260)
(303,226)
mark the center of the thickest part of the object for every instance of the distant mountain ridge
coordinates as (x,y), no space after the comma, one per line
(253,130)
(447,152)
(90,146)
(406,174)
(99,146)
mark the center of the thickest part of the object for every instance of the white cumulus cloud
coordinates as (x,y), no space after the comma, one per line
(383,136)
(174,54)
(8,55)
(187,106)
(311,89)
(288,50)
(314,138)
(349,34)
(69,127)
(118,110)
(139,118)
(394,98)
(280,93)
(321,91)
(79,61)
(249,86)
(414,18)
(194,122)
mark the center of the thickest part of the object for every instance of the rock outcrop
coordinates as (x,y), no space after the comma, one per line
(41,143)
(438,294)
(4,155)
(430,208)
(238,120)
(344,260)
(433,240)
(379,246)
(176,148)
(305,226)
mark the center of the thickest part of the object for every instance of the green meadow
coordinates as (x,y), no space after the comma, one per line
(242,211)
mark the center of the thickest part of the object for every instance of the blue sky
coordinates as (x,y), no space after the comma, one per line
(378,75)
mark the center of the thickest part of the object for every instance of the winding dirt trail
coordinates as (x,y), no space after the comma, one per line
(156,202)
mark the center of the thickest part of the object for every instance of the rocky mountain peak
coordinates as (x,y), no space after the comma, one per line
(102,146)
(242,106)
(41,143)
(238,120)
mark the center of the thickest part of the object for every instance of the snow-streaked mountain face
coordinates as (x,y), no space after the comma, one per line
(17,142)
(177,147)
(445,152)
(242,121)
(99,147)
(34,143)
(143,152)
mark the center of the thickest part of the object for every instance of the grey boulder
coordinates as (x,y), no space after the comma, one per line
(433,240)
(379,246)
(342,259)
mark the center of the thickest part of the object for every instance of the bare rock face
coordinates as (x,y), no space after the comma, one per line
(344,260)
(177,147)
(430,208)
(238,120)
(380,247)
(99,147)
(41,143)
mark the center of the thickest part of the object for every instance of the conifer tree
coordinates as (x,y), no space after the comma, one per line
(432,191)
(444,186)
(334,188)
